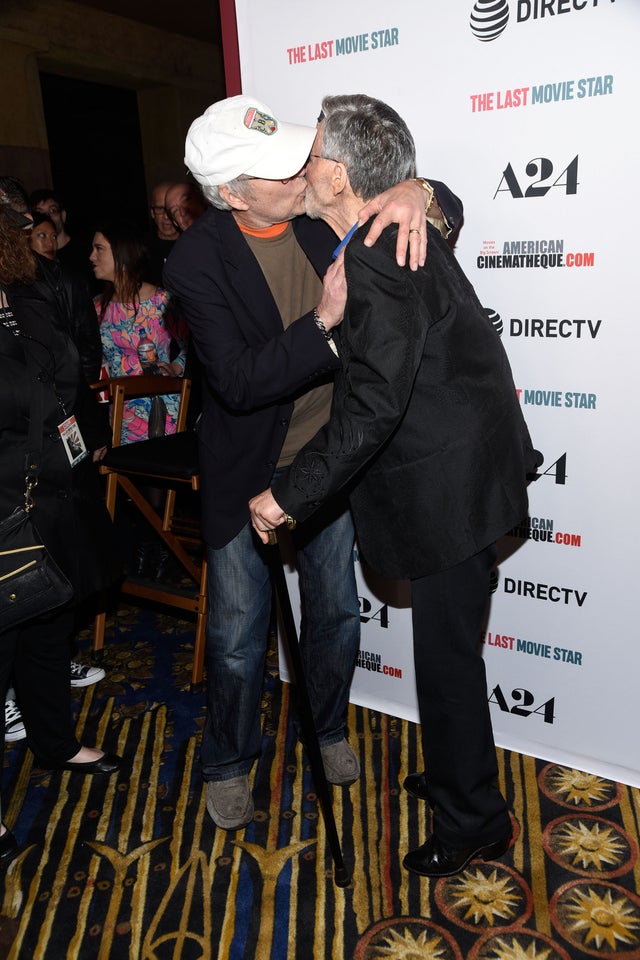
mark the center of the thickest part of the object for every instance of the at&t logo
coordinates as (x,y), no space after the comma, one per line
(489,18)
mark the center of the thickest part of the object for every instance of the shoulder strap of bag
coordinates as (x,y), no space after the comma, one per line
(33,456)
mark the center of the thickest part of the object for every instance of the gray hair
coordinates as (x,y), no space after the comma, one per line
(372,141)
(237,186)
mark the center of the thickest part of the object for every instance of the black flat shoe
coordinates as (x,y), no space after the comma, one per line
(107,764)
(434,859)
(8,848)
(416,785)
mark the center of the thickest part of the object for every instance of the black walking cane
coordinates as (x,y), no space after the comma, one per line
(341,874)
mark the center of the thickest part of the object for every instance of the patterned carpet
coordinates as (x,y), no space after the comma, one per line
(132,867)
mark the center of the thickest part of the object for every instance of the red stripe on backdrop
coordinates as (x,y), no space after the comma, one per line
(232,75)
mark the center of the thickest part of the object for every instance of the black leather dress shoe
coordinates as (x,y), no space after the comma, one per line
(107,764)
(434,859)
(416,785)
(8,848)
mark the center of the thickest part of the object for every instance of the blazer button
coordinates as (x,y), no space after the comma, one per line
(284,423)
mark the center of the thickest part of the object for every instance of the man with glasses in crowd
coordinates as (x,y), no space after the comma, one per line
(162,236)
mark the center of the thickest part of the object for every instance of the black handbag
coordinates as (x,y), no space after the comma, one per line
(31,582)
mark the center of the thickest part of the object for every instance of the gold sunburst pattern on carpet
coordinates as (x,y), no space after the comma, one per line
(518,944)
(484,896)
(590,844)
(574,788)
(601,919)
(407,938)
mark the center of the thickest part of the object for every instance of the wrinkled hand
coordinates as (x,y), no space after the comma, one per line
(334,294)
(265,514)
(404,205)
(99,454)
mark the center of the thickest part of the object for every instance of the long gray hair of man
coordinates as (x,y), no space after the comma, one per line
(372,141)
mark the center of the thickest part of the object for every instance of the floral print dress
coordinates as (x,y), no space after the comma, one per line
(122,326)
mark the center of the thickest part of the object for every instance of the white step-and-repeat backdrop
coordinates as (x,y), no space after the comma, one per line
(527,109)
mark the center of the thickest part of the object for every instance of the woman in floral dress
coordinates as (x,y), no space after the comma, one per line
(131,310)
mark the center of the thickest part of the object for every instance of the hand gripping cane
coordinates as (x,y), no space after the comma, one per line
(341,874)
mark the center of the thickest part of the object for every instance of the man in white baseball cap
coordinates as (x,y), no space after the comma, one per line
(263,300)
(241,136)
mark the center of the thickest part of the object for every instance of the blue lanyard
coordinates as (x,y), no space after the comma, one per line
(338,250)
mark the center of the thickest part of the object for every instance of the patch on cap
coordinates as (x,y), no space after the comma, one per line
(256,120)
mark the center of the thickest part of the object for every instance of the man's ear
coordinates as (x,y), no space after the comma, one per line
(235,201)
(339,179)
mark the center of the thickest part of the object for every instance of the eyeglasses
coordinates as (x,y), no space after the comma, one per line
(318,156)
(296,176)
(157,209)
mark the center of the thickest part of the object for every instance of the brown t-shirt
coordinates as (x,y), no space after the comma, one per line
(296,289)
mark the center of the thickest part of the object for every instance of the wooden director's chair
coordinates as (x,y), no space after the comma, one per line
(169,462)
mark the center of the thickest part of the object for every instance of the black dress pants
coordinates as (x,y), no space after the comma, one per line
(38,654)
(448,610)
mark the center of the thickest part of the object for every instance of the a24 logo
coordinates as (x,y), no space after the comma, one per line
(523,703)
(543,169)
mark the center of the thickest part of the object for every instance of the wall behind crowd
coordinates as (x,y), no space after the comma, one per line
(526,109)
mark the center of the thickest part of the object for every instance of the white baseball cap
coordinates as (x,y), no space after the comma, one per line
(240,135)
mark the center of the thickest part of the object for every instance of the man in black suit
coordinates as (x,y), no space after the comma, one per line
(427,435)
(248,275)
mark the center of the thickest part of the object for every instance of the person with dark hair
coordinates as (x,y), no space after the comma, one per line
(73,312)
(427,434)
(39,359)
(43,235)
(136,317)
(72,252)
(63,287)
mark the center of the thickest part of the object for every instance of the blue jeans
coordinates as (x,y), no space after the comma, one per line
(239,592)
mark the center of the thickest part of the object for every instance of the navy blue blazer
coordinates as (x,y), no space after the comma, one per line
(426,430)
(253,368)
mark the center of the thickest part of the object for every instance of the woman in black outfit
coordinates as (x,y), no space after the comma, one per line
(69,511)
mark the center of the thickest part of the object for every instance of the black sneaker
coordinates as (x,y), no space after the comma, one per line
(83,675)
(13,725)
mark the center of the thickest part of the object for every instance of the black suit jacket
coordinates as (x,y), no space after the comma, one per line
(426,428)
(253,368)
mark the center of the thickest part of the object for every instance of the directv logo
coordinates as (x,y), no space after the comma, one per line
(494,319)
(489,18)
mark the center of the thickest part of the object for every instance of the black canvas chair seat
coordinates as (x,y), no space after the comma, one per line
(173,457)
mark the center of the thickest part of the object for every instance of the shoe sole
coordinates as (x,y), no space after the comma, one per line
(14,737)
(88,682)
(341,781)
(227,823)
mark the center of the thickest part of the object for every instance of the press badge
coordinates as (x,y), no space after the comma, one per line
(72,440)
